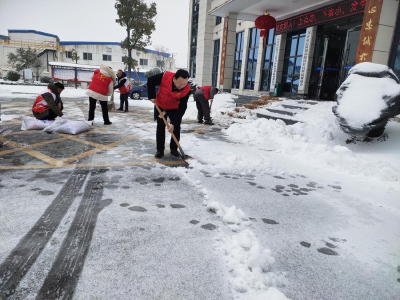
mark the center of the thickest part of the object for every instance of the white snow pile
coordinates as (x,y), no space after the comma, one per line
(298,141)
(32,91)
(222,104)
(248,262)
(233,217)
(361,99)
(249,265)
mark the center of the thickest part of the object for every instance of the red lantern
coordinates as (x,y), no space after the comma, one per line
(265,23)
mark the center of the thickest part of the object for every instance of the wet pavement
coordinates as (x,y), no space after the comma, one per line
(96,216)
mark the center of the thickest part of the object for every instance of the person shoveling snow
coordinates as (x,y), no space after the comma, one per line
(367,99)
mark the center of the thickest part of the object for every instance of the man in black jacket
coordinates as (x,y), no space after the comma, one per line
(172,99)
(124,88)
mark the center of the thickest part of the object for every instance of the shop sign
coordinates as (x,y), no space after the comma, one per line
(326,14)
(223,53)
(369,30)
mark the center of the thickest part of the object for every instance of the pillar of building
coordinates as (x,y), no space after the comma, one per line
(228,55)
(260,63)
(306,63)
(204,45)
(279,56)
(246,38)
(386,29)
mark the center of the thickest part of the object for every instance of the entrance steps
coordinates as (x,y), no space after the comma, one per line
(285,110)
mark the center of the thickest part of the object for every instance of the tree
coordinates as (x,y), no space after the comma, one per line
(24,59)
(152,72)
(37,69)
(164,62)
(13,76)
(137,18)
(74,56)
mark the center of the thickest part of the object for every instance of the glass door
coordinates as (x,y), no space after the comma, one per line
(350,54)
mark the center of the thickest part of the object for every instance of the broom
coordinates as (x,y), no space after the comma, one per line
(111,104)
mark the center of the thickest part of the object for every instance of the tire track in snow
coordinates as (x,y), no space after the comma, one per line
(24,255)
(63,277)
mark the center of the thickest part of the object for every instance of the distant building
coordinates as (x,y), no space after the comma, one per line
(51,49)
(309,52)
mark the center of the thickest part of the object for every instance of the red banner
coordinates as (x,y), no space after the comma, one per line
(326,14)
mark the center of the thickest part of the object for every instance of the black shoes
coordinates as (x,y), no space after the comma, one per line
(159,154)
(200,121)
(121,109)
(208,122)
(108,123)
(175,152)
(126,110)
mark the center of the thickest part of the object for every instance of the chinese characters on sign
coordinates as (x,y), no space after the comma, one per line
(329,13)
(369,29)
(304,61)
(223,52)
(276,56)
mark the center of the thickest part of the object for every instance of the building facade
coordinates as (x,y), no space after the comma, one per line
(308,53)
(51,49)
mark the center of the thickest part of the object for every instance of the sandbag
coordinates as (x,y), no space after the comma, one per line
(68,126)
(31,123)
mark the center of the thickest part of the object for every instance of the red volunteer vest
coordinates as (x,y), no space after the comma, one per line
(166,98)
(40,105)
(126,87)
(100,83)
(206,89)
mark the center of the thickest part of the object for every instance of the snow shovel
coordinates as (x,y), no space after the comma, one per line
(183,155)
(110,104)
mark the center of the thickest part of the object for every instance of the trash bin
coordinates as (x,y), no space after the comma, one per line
(278,90)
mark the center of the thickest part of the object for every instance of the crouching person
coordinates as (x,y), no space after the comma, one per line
(48,104)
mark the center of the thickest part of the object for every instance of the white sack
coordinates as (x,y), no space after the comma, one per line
(68,126)
(31,123)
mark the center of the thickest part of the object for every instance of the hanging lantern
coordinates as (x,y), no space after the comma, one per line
(265,23)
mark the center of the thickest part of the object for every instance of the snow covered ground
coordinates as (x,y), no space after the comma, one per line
(282,198)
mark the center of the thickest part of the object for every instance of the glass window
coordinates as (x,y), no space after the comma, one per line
(106,57)
(68,54)
(87,56)
(214,78)
(193,41)
(237,65)
(144,62)
(252,58)
(269,50)
(292,61)
(218,20)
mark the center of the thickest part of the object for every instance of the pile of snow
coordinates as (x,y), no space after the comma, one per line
(312,145)
(249,265)
(222,104)
(367,98)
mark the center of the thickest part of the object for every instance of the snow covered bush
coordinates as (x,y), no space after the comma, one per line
(13,76)
(367,99)
(46,79)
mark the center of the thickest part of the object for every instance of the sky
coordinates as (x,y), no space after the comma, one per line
(94,20)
